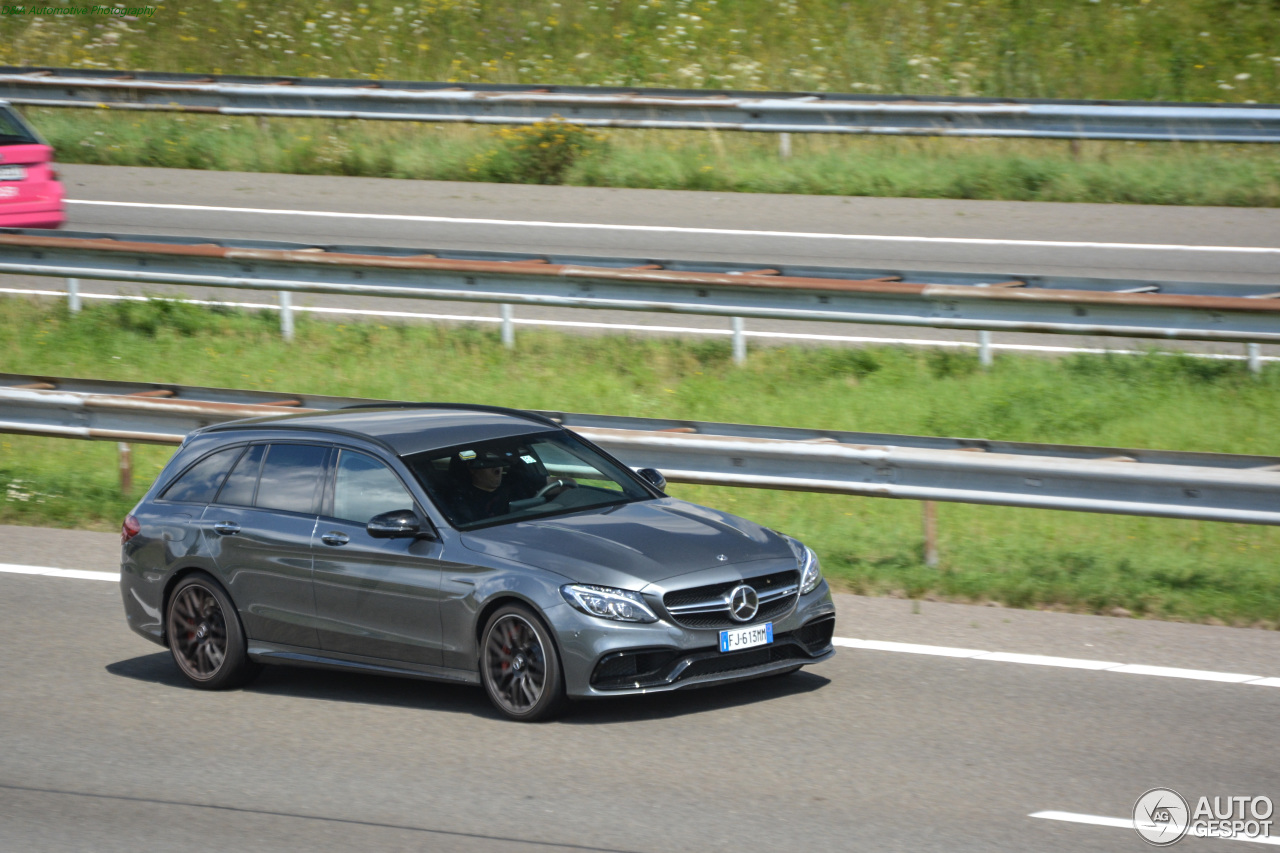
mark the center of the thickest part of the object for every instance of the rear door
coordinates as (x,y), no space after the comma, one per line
(377,598)
(260,530)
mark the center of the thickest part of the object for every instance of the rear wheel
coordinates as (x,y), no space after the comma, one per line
(205,636)
(519,665)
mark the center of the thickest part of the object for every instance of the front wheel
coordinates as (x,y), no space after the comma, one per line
(205,636)
(519,665)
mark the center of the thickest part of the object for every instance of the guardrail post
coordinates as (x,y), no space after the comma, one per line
(126,467)
(984,349)
(73,295)
(508,327)
(286,315)
(930,513)
(1255,358)
(784,146)
(739,342)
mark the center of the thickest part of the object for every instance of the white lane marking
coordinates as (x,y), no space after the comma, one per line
(908,648)
(632,327)
(77,574)
(672,229)
(1042,660)
(1127,823)
(870,645)
(1197,674)
(1066,663)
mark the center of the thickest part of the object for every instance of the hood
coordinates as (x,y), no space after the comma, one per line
(632,545)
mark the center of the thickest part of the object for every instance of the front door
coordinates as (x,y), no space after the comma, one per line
(377,598)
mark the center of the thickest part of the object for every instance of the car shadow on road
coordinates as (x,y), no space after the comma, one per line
(327,685)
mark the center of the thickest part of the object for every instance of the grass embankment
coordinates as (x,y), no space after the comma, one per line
(1184,50)
(1171,50)
(1026,558)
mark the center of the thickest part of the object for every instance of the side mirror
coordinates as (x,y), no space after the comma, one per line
(654,476)
(397,524)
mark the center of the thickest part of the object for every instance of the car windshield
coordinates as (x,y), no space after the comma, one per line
(13,131)
(521,477)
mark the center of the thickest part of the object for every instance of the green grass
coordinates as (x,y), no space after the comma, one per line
(1203,50)
(1021,170)
(1190,50)
(1156,567)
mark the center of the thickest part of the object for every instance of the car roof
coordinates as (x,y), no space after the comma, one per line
(406,429)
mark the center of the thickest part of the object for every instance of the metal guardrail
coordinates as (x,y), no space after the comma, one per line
(1205,486)
(778,112)
(1059,305)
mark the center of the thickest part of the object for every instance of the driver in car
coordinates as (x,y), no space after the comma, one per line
(488,493)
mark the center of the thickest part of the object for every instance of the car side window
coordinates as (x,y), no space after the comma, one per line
(292,476)
(239,487)
(200,482)
(365,487)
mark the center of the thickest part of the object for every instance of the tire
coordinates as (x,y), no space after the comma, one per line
(520,667)
(205,636)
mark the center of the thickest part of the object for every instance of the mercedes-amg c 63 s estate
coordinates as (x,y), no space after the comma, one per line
(459,543)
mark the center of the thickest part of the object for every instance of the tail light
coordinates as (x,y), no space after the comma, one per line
(53,174)
(129,529)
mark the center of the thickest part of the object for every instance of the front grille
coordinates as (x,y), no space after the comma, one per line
(708,606)
(663,667)
(734,661)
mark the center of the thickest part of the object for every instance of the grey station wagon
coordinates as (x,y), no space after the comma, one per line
(460,543)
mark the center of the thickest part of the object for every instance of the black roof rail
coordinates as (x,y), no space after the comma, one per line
(467,407)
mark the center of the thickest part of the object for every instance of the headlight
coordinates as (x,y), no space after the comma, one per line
(807,562)
(620,605)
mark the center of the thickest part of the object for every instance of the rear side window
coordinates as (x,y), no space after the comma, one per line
(200,483)
(292,477)
(238,490)
(13,130)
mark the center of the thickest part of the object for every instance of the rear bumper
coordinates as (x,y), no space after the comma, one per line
(34,215)
(38,205)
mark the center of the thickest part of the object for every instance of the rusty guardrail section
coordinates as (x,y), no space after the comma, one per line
(724,110)
(1212,487)
(1002,302)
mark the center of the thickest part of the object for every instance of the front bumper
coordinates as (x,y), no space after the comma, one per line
(604,658)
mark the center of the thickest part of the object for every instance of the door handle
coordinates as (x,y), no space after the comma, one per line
(335,538)
(227,527)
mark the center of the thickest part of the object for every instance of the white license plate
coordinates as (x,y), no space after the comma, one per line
(12,173)
(745,638)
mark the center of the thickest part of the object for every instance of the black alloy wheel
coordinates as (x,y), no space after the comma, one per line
(205,636)
(520,666)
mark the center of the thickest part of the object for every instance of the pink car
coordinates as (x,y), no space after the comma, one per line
(30,195)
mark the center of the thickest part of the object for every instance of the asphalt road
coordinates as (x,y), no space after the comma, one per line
(775,229)
(102,748)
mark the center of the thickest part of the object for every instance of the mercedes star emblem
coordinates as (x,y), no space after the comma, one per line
(743,603)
